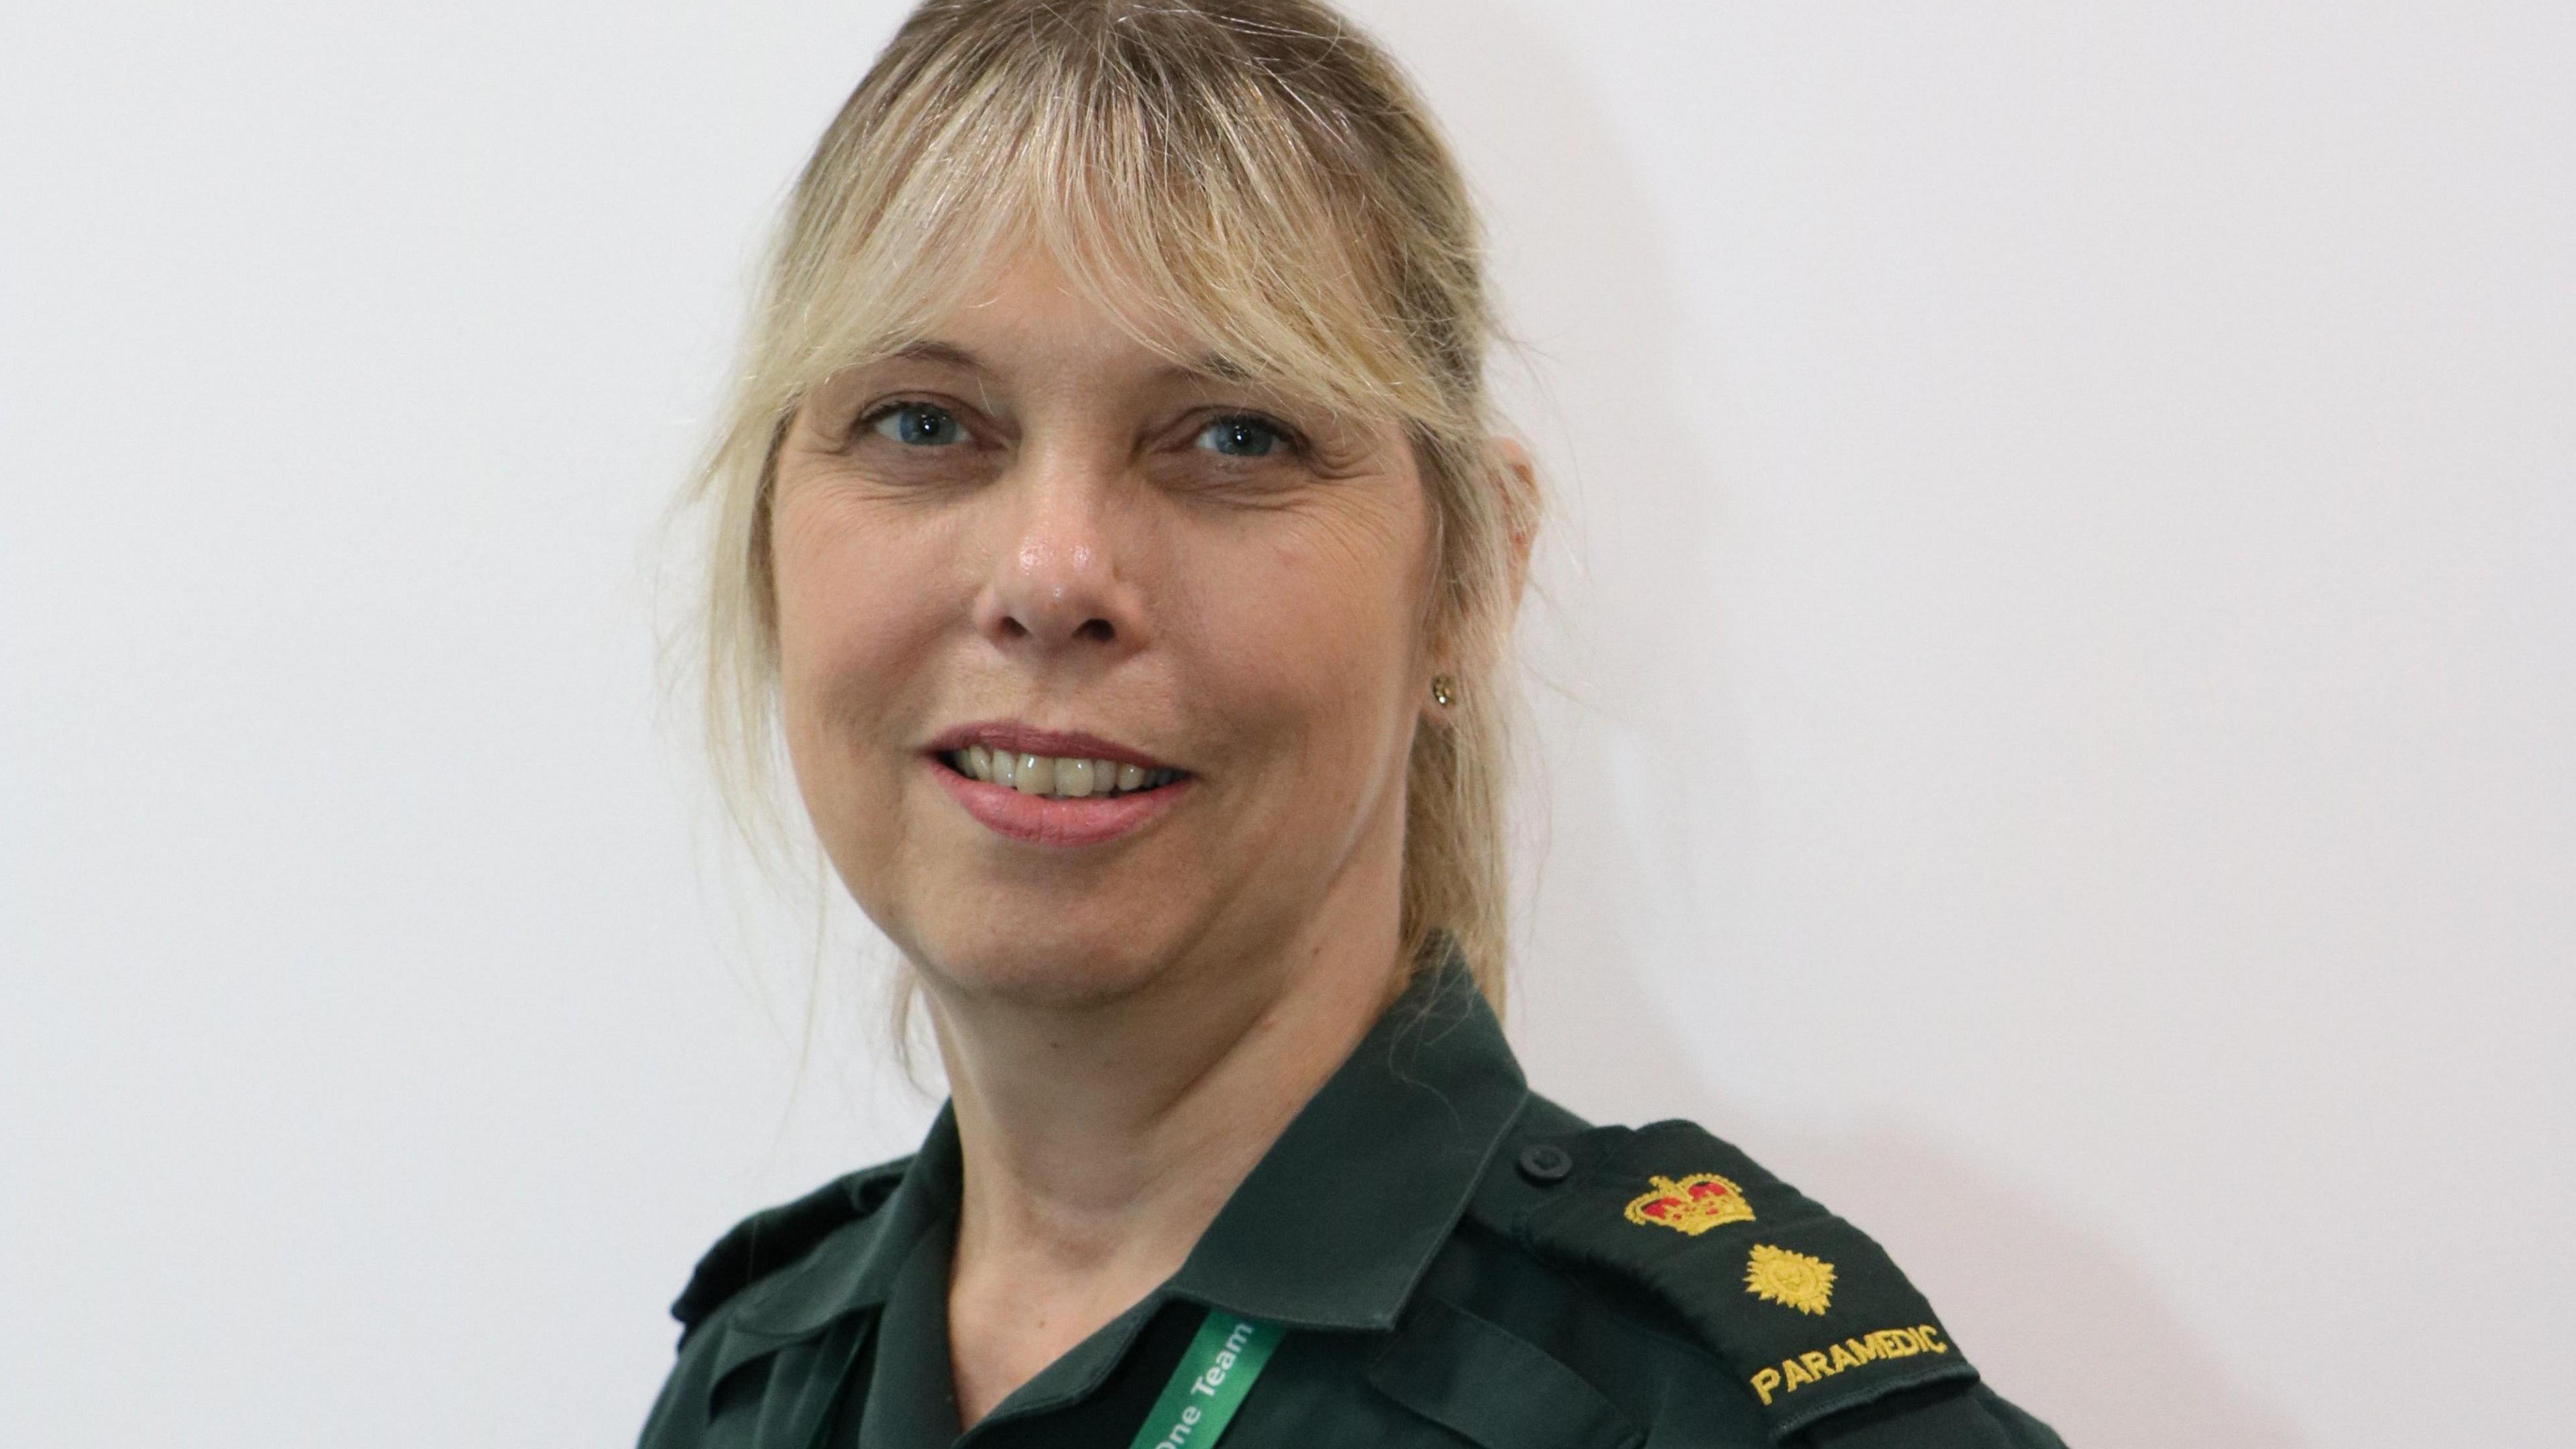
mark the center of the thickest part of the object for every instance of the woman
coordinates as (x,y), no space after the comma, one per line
(1112,524)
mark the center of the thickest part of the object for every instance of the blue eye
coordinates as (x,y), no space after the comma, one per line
(919,425)
(1241,437)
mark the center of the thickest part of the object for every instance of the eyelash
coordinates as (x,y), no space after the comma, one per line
(1291,441)
(868,421)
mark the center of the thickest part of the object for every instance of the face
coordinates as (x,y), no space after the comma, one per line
(1186,613)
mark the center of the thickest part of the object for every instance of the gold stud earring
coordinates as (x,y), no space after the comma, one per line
(1444,690)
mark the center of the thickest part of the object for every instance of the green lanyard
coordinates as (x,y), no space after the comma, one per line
(1210,1383)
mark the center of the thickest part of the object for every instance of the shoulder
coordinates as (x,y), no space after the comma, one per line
(778,1237)
(1680,1250)
(821,1239)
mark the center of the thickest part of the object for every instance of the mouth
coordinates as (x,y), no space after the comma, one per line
(1054,788)
(1059,777)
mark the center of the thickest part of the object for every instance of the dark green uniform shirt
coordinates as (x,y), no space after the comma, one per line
(1456,1260)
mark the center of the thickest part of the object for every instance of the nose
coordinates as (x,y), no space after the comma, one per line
(1056,585)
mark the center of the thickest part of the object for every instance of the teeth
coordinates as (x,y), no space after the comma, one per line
(1057,778)
(1073,777)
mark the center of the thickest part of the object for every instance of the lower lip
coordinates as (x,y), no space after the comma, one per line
(1042,820)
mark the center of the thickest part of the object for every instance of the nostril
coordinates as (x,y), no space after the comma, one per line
(1099,629)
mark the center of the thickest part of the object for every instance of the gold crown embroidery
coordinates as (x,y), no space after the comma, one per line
(1776,1275)
(1692,1205)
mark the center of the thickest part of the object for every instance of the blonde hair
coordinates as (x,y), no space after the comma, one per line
(1257,171)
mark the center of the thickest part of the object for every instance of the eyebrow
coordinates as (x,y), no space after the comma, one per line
(1209,367)
(945,353)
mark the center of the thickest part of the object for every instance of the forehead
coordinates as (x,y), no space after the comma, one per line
(1026,322)
(1027,305)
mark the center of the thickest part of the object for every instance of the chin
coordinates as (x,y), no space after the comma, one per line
(1063,968)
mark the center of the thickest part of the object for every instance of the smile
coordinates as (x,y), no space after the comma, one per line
(1056,777)
(1054,788)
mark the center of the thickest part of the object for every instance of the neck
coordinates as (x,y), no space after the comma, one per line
(1100,1140)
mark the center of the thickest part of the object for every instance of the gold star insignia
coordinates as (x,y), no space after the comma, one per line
(1776,1275)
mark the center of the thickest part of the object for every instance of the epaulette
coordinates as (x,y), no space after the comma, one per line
(771,1239)
(1806,1311)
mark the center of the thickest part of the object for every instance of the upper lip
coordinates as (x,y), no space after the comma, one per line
(1030,740)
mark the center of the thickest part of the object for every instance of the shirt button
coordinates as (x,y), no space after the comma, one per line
(1544,1163)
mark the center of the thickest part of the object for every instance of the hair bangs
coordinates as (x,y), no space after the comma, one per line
(1210,211)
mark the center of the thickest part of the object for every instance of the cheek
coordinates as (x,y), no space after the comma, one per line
(1314,632)
(852,612)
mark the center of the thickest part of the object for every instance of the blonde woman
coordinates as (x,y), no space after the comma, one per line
(1112,525)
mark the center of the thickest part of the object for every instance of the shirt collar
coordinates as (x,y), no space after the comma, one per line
(856,1267)
(1334,1225)
(1344,1213)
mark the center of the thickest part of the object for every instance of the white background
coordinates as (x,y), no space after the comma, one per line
(2057,682)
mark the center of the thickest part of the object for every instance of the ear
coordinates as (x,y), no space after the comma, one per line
(1513,472)
(1519,474)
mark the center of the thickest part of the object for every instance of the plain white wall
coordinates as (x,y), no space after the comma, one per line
(2057,686)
